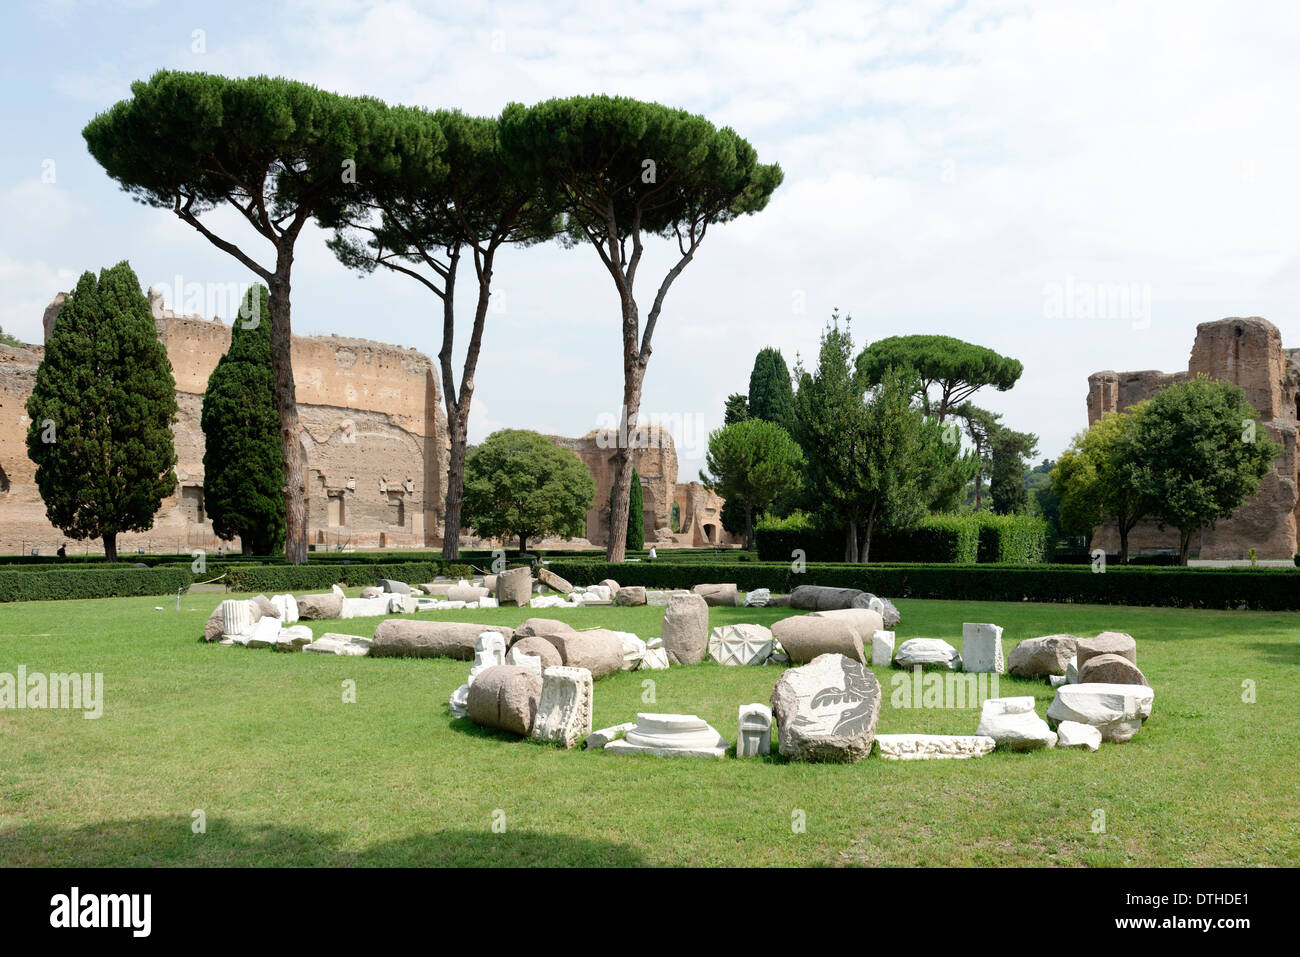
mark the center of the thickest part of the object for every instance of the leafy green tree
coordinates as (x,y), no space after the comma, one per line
(959,369)
(8,340)
(771,396)
(947,470)
(517,483)
(243,470)
(1095,479)
(980,425)
(1199,450)
(1007,488)
(752,462)
(1043,500)
(101,412)
(737,409)
(274,151)
(635,513)
(419,218)
(621,170)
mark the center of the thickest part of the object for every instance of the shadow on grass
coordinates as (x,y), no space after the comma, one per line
(169,842)
(1288,654)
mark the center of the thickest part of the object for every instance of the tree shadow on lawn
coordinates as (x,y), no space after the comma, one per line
(169,842)
(1288,654)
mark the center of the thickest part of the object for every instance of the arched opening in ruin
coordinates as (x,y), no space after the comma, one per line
(1297,406)
(4,479)
(711,534)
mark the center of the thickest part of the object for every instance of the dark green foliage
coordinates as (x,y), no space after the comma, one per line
(243,470)
(1012,539)
(753,462)
(101,411)
(939,539)
(771,395)
(519,484)
(958,368)
(8,340)
(737,409)
(112,581)
(282,578)
(1245,588)
(1007,488)
(635,513)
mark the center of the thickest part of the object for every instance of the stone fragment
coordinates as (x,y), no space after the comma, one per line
(409,638)
(371,591)
(630,595)
(1072,734)
(1041,657)
(1072,672)
(670,735)
(337,591)
(686,629)
(660,597)
(633,650)
(287,606)
(927,652)
(547,601)
(598,651)
(293,638)
(654,659)
(319,607)
(264,632)
(538,647)
(884,606)
(823,598)
(598,739)
(866,621)
(438,589)
(564,710)
(212,628)
(1117,711)
(929,747)
(803,637)
(1014,725)
(331,643)
(505,697)
(402,604)
(394,587)
(1111,669)
(725,595)
(263,607)
(543,626)
(364,607)
(1106,643)
(757,598)
(754,731)
(612,585)
(740,644)
(515,586)
(466,593)
(882,648)
(552,580)
(827,710)
(981,648)
(236,617)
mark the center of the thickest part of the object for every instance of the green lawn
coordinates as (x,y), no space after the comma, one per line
(287,773)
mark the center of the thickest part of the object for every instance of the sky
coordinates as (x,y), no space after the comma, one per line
(1076,185)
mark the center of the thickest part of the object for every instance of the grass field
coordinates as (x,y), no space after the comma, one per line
(286,773)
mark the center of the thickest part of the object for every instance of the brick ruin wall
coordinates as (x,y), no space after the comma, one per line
(1249,353)
(375,436)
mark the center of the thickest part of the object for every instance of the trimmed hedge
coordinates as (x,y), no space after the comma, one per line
(947,539)
(286,578)
(1012,539)
(92,583)
(1245,588)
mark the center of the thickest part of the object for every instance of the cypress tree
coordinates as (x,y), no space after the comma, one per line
(101,409)
(771,396)
(635,516)
(243,469)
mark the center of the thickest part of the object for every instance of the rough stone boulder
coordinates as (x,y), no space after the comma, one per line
(826,710)
(438,589)
(505,697)
(1117,711)
(212,627)
(317,607)
(543,626)
(1111,669)
(538,647)
(718,595)
(263,608)
(928,653)
(823,598)
(1015,725)
(1072,734)
(805,637)
(1041,657)
(552,580)
(393,587)
(599,650)
(406,638)
(1107,643)
(686,629)
(630,595)
(515,587)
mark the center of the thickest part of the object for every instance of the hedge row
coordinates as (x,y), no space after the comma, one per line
(92,583)
(946,539)
(283,578)
(1264,589)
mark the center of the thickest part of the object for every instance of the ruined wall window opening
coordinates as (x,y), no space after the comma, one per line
(396,509)
(337,510)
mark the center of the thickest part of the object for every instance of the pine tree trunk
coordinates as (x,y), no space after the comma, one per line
(1184,546)
(851,541)
(1123,544)
(455,491)
(110,546)
(295,482)
(866,539)
(523,544)
(616,549)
